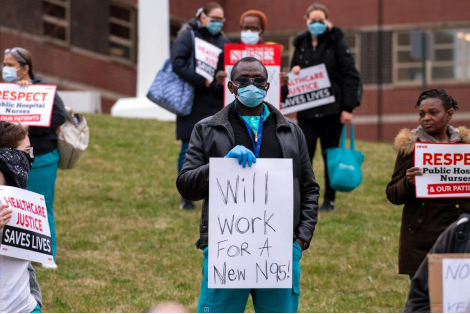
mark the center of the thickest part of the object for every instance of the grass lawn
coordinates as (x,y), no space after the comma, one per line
(123,243)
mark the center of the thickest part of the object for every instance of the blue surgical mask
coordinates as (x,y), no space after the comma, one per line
(215,27)
(9,75)
(251,96)
(249,37)
(317,28)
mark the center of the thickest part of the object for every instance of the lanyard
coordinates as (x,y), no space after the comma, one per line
(258,137)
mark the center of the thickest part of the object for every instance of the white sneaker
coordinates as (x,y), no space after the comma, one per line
(49,266)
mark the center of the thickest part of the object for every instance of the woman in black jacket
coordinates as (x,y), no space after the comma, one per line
(323,44)
(42,177)
(206,25)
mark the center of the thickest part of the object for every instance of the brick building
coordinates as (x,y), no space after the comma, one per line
(91,45)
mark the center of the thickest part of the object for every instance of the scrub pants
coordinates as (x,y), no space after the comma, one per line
(264,300)
(42,181)
(182,155)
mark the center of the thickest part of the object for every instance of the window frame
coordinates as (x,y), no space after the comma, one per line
(463,64)
(132,25)
(57,21)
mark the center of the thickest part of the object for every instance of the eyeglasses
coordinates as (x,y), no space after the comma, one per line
(13,50)
(215,18)
(251,28)
(257,81)
(29,151)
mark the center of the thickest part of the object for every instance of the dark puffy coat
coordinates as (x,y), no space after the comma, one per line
(418,299)
(205,103)
(344,77)
(423,220)
(44,140)
(214,137)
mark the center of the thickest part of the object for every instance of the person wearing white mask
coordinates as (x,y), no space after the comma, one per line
(252,26)
(18,68)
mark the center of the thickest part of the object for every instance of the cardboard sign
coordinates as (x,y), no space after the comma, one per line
(449,283)
(30,105)
(27,236)
(207,56)
(311,88)
(250,224)
(446,169)
(269,55)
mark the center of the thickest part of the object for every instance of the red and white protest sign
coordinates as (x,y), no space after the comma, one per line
(207,56)
(446,170)
(269,55)
(30,105)
(311,88)
(27,236)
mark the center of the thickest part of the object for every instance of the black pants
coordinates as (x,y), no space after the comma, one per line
(328,129)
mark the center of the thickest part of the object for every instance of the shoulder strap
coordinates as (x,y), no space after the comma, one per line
(191,60)
(462,234)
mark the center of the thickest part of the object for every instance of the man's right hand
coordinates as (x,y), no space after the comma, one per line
(5,215)
(243,154)
(296,70)
(220,77)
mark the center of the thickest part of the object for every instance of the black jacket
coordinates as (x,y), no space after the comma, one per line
(214,137)
(205,103)
(418,299)
(344,77)
(44,140)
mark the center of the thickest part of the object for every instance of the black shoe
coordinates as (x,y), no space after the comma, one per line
(186,205)
(327,206)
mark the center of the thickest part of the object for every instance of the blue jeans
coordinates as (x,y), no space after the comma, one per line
(264,300)
(182,156)
(42,181)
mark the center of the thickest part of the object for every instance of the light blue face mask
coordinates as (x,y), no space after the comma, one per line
(317,28)
(215,27)
(9,75)
(250,37)
(251,96)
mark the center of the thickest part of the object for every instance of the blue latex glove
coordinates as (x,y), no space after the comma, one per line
(243,154)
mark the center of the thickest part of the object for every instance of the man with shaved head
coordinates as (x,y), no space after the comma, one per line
(247,129)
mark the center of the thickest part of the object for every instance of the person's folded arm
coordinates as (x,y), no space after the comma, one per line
(193,180)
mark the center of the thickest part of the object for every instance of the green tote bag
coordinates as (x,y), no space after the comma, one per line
(344,165)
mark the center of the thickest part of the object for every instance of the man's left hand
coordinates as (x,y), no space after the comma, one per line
(303,244)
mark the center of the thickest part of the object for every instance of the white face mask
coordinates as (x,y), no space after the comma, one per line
(249,37)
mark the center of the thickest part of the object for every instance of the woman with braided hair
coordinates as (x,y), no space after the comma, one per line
(423,220)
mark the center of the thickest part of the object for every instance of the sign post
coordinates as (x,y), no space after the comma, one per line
(446,170)
(269,55)
(250,224)
(27,236)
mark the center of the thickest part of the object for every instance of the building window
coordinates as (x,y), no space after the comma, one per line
(353,41)
(449,61)
(122,32)
(56,20)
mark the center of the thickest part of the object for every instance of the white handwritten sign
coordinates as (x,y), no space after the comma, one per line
(207,56)
(456,285)
(446,170)
(30,105)
(27,236)
(311,88)
(250,224)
